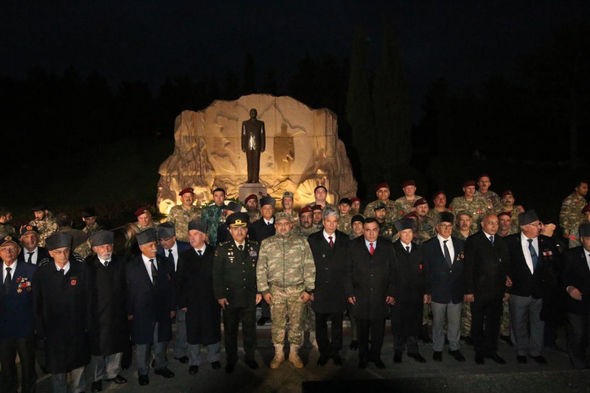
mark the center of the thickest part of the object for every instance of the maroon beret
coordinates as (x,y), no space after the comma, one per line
(409,182)
(185,190)
(381,185)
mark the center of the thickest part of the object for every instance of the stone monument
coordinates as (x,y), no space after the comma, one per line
(302,151)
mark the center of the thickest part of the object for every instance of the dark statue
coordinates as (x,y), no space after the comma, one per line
(253,143)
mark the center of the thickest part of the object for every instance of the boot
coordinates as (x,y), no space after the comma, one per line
(279,357)
(294,356)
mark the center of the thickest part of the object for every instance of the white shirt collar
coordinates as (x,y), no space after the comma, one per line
(326,236)
(66,267)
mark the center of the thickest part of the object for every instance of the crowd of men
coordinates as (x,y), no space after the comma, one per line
(478,270)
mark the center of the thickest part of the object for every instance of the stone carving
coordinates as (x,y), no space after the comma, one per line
(304,152)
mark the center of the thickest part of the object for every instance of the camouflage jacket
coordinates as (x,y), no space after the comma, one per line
(344,223)
(457,233)
(46,228)
(387,230)
(476,208)
(434,215)
(213,217)
(403,206)
(285,261)
(389,207)
(425,230)
(300,231)
(89,230)
(180,217)
(570,215)
(492,200)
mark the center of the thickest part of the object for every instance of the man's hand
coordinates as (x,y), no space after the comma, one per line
(508,282)
(352,299)
(469,298)
(172,314)
(267,298)
(574,293)
(222,302)
(427,298)
(258,298)
(506,297)
(390,300)
(305,296)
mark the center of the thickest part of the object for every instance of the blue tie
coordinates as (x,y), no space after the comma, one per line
(534,255)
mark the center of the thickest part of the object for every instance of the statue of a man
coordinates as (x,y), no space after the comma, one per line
(253,143)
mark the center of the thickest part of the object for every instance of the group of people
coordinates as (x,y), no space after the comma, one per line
(482,262)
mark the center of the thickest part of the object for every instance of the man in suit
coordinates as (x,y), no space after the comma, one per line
(576,280)
(409,286)
(170,247)
(234,286)
(16,320)
(329,248)
(109,336)
(532,257)
(445,282)
(31,251)
(486,268)
(196,298)
(60,288)
(150,305)
(369,288)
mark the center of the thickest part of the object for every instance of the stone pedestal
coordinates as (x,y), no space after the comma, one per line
(251,188)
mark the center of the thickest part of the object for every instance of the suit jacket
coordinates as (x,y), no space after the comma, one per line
(16,307)
(576,273)
(445,284)
(149,303)
(182,246)
(369,277)
(234,273)
(43,253)
(486,266)
(259,231)
(330,272)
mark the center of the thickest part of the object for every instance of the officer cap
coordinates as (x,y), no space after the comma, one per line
(238,220)
(166,230)
(58,240)
(102,237)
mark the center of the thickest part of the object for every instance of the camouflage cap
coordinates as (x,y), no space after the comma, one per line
(238,220)
(584,229)
(288,194)
(101,238)
(166,230)
(379,206)
(283,216)
(527,217)
(58,240)
(198,225)
(267,200)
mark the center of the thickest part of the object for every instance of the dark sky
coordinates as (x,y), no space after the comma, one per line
(463,41)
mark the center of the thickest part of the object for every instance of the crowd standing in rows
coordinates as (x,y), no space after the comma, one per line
(479,269)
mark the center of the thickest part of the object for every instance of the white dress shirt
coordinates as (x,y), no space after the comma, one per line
(405,246)
(148,265)
(34,256)
(66,268)
(4,273)
(524,242)
(326,236)
(449,246)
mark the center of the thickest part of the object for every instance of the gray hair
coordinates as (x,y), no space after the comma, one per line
(330,211)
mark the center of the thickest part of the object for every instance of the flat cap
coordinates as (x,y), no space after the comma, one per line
(166,230)
(58,240)
(527,217)
(102,237)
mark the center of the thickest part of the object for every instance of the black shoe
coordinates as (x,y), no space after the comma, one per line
(479,359)
(230,367)
(252,364)
(337,360)
(379,364)
(437,356)
(192,370)
(143,380)
(119,380)
(467,340)
(96,386)
(323,359)
(363,364)
(165,372)
(417,357)
(354,345)
(457,355)
(397,357)
(497,358)
(215,365)
(521,359)
(262,321)
(539,359)
(506,339)
(182,359)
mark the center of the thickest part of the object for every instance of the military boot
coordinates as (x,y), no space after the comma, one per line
(294,356)
(279,356)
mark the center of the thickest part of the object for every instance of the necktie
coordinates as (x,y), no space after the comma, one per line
(408,249)
(371,248)
(534,255)
(447,253)
(62,271)
(106,263)
(7,280)
(331,241)
(241,247)
(154,271)
(171,256)
(30,258)
(200,252)
(492,239)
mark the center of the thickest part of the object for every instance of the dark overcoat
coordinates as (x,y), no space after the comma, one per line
(17,317)
(577,274)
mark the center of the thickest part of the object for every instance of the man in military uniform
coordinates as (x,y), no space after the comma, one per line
(144,221)
(234,286)
(5,228)
(320,194)
(212,215)
(382,191)
(386,228)
(439,199)
(356,224)
(405,203)
(469,203)
(425,229)
(80,244)
(463,228)
(505,229)
(317,216)
(287,204)
(89,219)
(305,225)
(345,216)
(492,199)
(355,206)
(286,277)
(509,206)
(570,216)
(44,222)
(504,224)
(251,203)
(181,215)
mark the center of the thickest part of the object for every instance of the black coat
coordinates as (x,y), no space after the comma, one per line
(330,272)
(259,230)
(149,303)
(409,286)
(16,307)
(195,289)
(370,278)
(486,267)
(445,284)
(577,274)
(62,315)
(108,313)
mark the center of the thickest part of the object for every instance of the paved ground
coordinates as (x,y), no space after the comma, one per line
(409,376)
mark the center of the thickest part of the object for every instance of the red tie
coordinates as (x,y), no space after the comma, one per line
(331,241)
(371,249)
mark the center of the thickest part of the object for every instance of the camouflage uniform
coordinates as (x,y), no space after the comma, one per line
(285,269)
(457,233)
(92,229)
(300,231)
(132,229)
(404,206)
(492,200)
(180,217)
(212,215)
(434,215)
(344,223)
(570,216)
(476,208)
(294,216)
(425,230)
(389,208)
(46,227)
(7,230)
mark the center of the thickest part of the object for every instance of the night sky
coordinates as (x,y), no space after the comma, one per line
(462,41)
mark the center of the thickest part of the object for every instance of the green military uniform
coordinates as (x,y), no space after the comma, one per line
(389,208)
(286,269)
(132,229)
(570,216)
(404,206)
(91,229)
(492,200)
(46,227)
(476,208)
(180,217)
(234,278)
(212,215)
(425,230)
(435,215)
(305,232)
(344,223)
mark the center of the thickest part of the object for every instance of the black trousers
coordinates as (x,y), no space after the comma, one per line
(326,346)
(578,339)
(374,328)
(485,325)
(231,324)
(25,347)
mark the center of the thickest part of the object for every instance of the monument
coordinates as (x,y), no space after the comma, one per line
(298,149)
